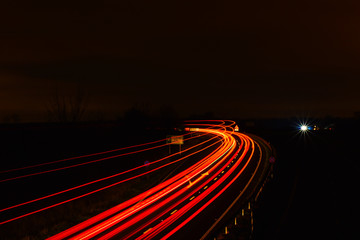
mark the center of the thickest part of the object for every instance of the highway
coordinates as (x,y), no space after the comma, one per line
(220,173)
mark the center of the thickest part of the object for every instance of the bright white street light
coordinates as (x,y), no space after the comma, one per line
(304,128)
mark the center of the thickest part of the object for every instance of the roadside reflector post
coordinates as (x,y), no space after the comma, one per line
(226,230)
(235,223)
(252,222)
(242,212)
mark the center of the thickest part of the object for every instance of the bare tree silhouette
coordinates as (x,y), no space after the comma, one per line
(67,108)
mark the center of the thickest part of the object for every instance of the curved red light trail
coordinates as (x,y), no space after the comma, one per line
(83,158)
(165,209)
(99,180)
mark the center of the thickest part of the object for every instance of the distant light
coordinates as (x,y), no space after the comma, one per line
(304,128)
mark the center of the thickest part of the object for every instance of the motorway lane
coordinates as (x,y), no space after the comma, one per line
(212,208)
(190,201)
(15,207)
(176,182)
(241,191)
(183,228)
(169,212)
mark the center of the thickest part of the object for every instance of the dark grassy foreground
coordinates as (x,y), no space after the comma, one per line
(315,186)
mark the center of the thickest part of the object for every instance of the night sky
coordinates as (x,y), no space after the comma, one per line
(236,59)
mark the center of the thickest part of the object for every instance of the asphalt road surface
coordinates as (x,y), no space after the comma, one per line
(191,203)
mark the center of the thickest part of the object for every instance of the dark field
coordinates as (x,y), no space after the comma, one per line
(315,186)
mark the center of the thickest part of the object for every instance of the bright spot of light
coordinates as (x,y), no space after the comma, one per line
(304,128)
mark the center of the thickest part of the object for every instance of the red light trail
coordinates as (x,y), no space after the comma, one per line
(165,209)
